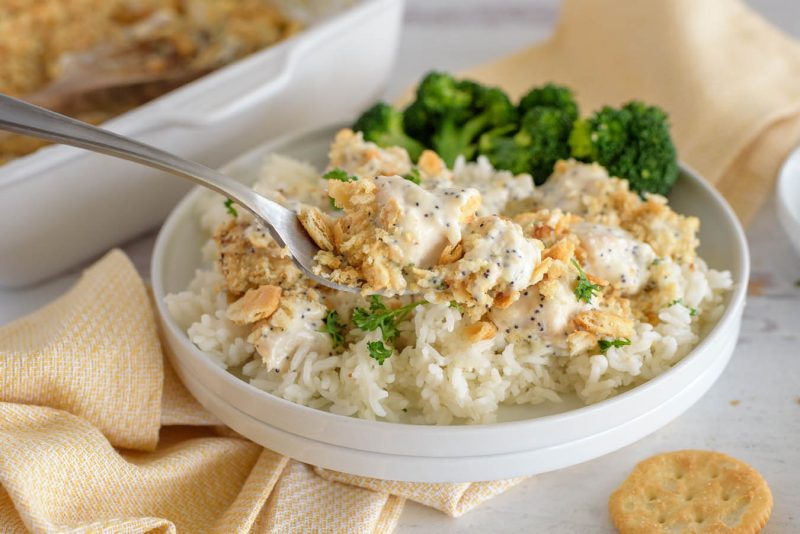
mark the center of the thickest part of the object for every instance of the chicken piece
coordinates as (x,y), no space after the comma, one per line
(543,311)
(498,260)
(295,326)
(614,255)
(669,234)
(391,225)
(587,190)
(581,189)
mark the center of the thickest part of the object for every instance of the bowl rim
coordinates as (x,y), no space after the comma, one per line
(729,316)
(790,213)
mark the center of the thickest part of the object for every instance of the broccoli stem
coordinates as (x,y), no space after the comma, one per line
(412,146)
(580,139)
(452,141)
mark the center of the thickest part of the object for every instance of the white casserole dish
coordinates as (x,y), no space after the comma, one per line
(530,440)
(61,205)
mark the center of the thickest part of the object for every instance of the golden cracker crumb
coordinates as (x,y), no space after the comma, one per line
(480,331)
(318,226)
(255,305)
(505,299)
(451,253)
(603,324)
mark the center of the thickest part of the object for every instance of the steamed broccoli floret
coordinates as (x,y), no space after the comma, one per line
(503,151)
(438,95)
(383,125)
(547,114)
(632,142)
(544,133)
(550,96)
(535,148)
(449,115)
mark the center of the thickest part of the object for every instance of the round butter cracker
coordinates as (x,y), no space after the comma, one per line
(691,492)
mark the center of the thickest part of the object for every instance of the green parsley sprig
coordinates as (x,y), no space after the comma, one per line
(413,176)
(605,344)
(378,351)
(692,311)
(334,328)
(340,175)
(230,209)
(584,289)
(457,306)
(379,316)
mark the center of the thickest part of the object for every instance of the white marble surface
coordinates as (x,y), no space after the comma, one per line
(763,428)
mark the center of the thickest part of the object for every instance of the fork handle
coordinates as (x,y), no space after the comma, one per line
(27,119)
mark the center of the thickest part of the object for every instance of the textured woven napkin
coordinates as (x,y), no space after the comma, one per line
(98,434)
(729,80)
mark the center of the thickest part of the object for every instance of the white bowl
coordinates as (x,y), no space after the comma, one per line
(528,440)
(788,198)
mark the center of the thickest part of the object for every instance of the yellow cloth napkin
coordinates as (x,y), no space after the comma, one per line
(98,434)
(729,80)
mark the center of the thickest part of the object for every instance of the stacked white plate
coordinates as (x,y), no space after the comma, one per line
(526,441)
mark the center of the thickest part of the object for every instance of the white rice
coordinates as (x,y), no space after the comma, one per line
(439,377)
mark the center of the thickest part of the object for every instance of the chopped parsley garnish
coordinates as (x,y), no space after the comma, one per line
(229,207)
(339,174)
(334,328)
(342,176)
(606,344)
(457,305)
(656,261)
(378,351)
(692,311)
(413,176)
(379,316)
(584,289)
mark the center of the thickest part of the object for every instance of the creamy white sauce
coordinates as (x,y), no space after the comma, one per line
(614,255)
(507,257)
(430,220)
(534,316)
(568,190)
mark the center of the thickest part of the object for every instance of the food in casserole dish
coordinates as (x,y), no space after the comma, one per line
(95,59)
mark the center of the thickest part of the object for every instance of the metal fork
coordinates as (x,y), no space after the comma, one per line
(27,119)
